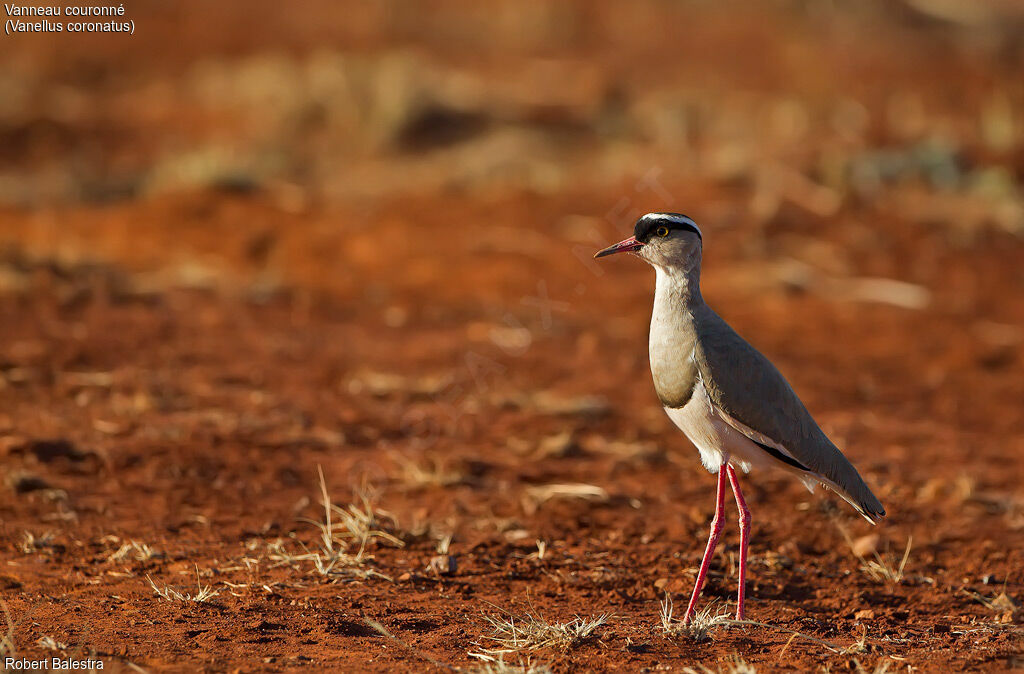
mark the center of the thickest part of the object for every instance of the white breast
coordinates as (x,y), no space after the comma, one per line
(717,441)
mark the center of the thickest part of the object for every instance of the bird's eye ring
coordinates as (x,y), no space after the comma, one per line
(662,231)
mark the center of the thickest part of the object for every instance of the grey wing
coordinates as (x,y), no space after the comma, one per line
(744,385)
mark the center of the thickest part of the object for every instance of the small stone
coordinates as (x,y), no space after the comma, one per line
(405,577)
(670,585)
(558,446)
(865,545)
(864,614)
(513,535)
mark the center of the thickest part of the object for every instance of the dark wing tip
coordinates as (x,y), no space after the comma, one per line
(871,514)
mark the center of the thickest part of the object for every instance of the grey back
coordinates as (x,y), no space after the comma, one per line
(745,385)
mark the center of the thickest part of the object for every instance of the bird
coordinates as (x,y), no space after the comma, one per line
(726,397)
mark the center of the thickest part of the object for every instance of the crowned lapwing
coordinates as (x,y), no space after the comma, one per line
(727,398)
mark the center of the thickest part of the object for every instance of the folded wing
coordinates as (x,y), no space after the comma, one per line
(756,400)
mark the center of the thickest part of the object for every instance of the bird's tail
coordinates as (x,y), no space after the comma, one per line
(844,480)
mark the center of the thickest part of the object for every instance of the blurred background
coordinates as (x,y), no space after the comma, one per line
(749,116)
(353,102)
(257,237)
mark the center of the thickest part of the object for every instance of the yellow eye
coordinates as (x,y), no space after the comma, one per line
(662,231)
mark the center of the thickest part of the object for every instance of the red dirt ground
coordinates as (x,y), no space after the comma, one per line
(406,300)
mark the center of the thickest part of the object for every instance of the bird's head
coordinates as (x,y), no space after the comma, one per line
(667,240)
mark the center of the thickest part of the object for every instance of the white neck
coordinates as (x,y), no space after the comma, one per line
(673,334)
(678,286)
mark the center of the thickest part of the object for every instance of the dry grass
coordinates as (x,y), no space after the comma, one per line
(700,627)
(203,593)
(7,640)
(361,523)
(532,631)
(133,551)
(881,667)
(858,646)
(340,528)
(886,569)
(705,621)
(430,472)
(51,644)
(587,492)
(383,631)
(326,562)
(883,568)
(535,497)
(1002,604)
(734,664)
(30,543)
(444,544)
(497,665)
(491,662)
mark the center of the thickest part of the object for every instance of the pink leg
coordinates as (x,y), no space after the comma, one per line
(716,529)
(741,505)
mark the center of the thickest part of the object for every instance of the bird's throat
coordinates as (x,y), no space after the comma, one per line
(673,336)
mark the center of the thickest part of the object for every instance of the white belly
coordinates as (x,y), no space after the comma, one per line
(717,441)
